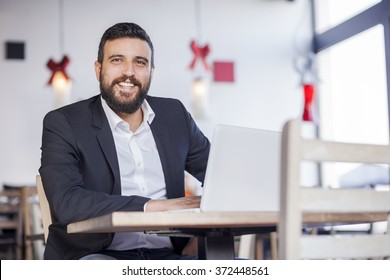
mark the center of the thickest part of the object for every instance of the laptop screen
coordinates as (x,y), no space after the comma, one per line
(243,170)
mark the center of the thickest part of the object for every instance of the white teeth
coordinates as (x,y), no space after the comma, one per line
(124,84)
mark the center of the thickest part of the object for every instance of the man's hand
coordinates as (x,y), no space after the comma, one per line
(173,204)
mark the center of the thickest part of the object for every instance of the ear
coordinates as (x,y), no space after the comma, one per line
(151,73)
(98,69)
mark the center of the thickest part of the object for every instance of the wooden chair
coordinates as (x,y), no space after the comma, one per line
(11,223)
(32,224)
(47,219)
(296,200)
(252,246)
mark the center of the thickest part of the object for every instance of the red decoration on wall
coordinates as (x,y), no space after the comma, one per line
(58,67)
(223,71)
(308,90)
(199,53)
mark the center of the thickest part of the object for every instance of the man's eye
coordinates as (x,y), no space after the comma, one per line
(116,60)
(141,62)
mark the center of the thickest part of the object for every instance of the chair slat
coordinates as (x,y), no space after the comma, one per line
(318,150)
(344,200)
(345,246)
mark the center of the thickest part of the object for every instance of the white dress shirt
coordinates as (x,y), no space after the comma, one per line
(140,172)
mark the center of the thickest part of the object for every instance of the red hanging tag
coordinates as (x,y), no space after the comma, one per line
(308,90)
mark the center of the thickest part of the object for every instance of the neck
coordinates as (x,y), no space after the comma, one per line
(134,120)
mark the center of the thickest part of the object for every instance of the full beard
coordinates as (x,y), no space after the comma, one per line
(119,106)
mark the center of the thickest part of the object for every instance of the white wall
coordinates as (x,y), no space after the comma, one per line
(260,36)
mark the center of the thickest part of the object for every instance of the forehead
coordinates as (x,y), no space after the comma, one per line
(128,47)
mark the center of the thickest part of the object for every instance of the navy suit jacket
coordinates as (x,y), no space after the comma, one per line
(80,172)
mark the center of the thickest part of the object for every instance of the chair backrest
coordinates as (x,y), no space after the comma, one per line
(11,219)
(32,224)
(295,199)
(47,219)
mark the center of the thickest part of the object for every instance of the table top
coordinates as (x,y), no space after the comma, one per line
(145,221)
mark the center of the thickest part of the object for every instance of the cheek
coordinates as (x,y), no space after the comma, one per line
(144,75)
(109,76)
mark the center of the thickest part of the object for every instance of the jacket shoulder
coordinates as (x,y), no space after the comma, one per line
(78,108)
(163,105)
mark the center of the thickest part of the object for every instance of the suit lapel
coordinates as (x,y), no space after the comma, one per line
(106,141)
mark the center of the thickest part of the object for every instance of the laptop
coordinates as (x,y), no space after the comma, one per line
(243,170)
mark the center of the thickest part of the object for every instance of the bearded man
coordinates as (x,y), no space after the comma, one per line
(121,150)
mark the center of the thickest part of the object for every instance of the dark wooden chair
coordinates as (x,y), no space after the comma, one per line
(11,224)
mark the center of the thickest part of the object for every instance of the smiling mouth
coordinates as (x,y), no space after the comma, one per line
(126,88)
(125,84)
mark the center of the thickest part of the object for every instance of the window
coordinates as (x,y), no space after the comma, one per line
(352,93)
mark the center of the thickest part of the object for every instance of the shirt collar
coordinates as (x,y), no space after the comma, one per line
(114,119)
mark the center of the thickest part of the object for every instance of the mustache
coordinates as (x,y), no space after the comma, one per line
(125,78)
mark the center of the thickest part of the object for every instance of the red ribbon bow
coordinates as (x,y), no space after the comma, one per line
(308,90)
(200,52)
(55,67)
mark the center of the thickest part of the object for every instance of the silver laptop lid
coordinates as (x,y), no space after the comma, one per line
(243,170)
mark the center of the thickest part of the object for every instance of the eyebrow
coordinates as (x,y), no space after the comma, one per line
(115,56)
(121,56)
(143,58)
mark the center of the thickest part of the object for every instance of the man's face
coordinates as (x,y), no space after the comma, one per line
(125,74)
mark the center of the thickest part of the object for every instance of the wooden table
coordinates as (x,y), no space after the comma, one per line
(216,230)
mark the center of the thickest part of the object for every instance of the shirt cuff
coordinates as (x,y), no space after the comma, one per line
(145,205)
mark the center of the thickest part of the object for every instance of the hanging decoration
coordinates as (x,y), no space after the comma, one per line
(199,53)
(305,65)
(200,50)
(308,108)
(59,79)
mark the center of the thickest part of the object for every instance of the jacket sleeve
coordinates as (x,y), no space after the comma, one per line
(198,152)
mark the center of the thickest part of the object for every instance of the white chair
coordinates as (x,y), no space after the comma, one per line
(295,200)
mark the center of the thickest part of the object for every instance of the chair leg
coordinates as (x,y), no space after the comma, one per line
(274,245)
(259,252)
(246,246)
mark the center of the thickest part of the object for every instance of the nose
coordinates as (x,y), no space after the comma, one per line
(128,69)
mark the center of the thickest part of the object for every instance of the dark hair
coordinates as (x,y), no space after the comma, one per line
(123,30)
